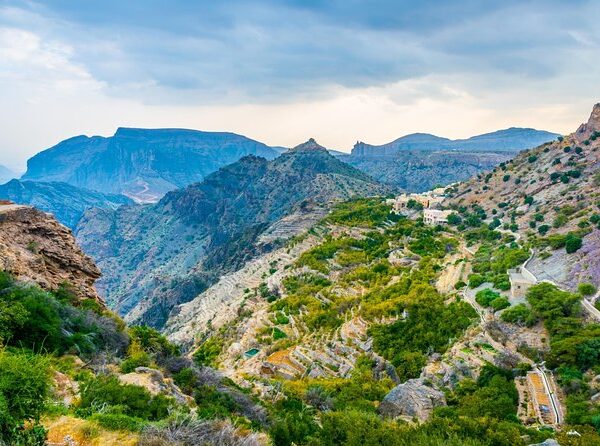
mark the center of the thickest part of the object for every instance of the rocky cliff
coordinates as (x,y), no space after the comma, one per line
(155,257)
(143,164)
(34,247)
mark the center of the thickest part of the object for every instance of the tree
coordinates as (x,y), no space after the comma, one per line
(586,289)
(572,243)
(454,219)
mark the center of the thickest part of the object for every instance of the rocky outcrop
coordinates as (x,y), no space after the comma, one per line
(156,383)
(34,247)
(411,400)
(593,124)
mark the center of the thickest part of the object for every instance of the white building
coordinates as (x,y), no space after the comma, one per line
(435,216)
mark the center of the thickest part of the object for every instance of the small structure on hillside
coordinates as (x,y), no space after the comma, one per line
(400,203)
(435,216)
(520,281)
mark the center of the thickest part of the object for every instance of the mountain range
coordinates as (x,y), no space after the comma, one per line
(157,256)
(420,161)
(142,164)
(67,203)
(511,140)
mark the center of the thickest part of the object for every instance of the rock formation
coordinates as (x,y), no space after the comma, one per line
(412,399)
(34,247)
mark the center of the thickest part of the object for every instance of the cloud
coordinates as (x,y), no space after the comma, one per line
(281,70)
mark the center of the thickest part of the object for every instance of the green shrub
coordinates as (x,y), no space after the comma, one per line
(24,387)
(127,399)
(208,351)
(572,243)
(586,289)
(118,422)
(500,303)
(519,314)
(475,280)
(486,296)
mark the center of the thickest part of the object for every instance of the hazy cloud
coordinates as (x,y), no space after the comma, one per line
(156,57)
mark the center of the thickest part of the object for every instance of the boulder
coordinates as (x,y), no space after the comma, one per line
(412,399)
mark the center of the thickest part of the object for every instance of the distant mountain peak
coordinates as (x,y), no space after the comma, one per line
(309,146)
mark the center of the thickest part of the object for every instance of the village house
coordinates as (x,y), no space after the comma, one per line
(435,216)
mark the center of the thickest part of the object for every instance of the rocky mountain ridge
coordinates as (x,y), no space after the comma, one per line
(155,257)
(143,164)
(35,248)
(546,191)
(510,140)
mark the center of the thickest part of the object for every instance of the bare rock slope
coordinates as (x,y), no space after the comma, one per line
(34,247)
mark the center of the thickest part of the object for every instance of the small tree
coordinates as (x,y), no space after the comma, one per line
(586,289)
(573,243)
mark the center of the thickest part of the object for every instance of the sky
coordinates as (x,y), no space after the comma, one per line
(284,71)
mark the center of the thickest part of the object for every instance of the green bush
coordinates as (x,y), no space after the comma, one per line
(24,387)
(519,314)
(133,401)
(118,422)
(486,296)
(208,351)
(586,289)
(44,322)
(500,303)
(475,280)
(572,243)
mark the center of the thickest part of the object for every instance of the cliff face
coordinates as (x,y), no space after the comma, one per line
(34,247)
(142,164)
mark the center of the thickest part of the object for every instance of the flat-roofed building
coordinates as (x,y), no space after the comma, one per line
(435,216)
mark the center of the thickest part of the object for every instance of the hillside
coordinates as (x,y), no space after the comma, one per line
(157,256)
(73,374)
(420,161)
(67,203)
(418,171)
(546,193)
(509,140)
(142,164)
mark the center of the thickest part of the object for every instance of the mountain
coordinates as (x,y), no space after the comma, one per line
(419,171)
(6,174)
(67,203)
(420,161)
(549,191)
(154,257)
(509,140)
(143,164)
